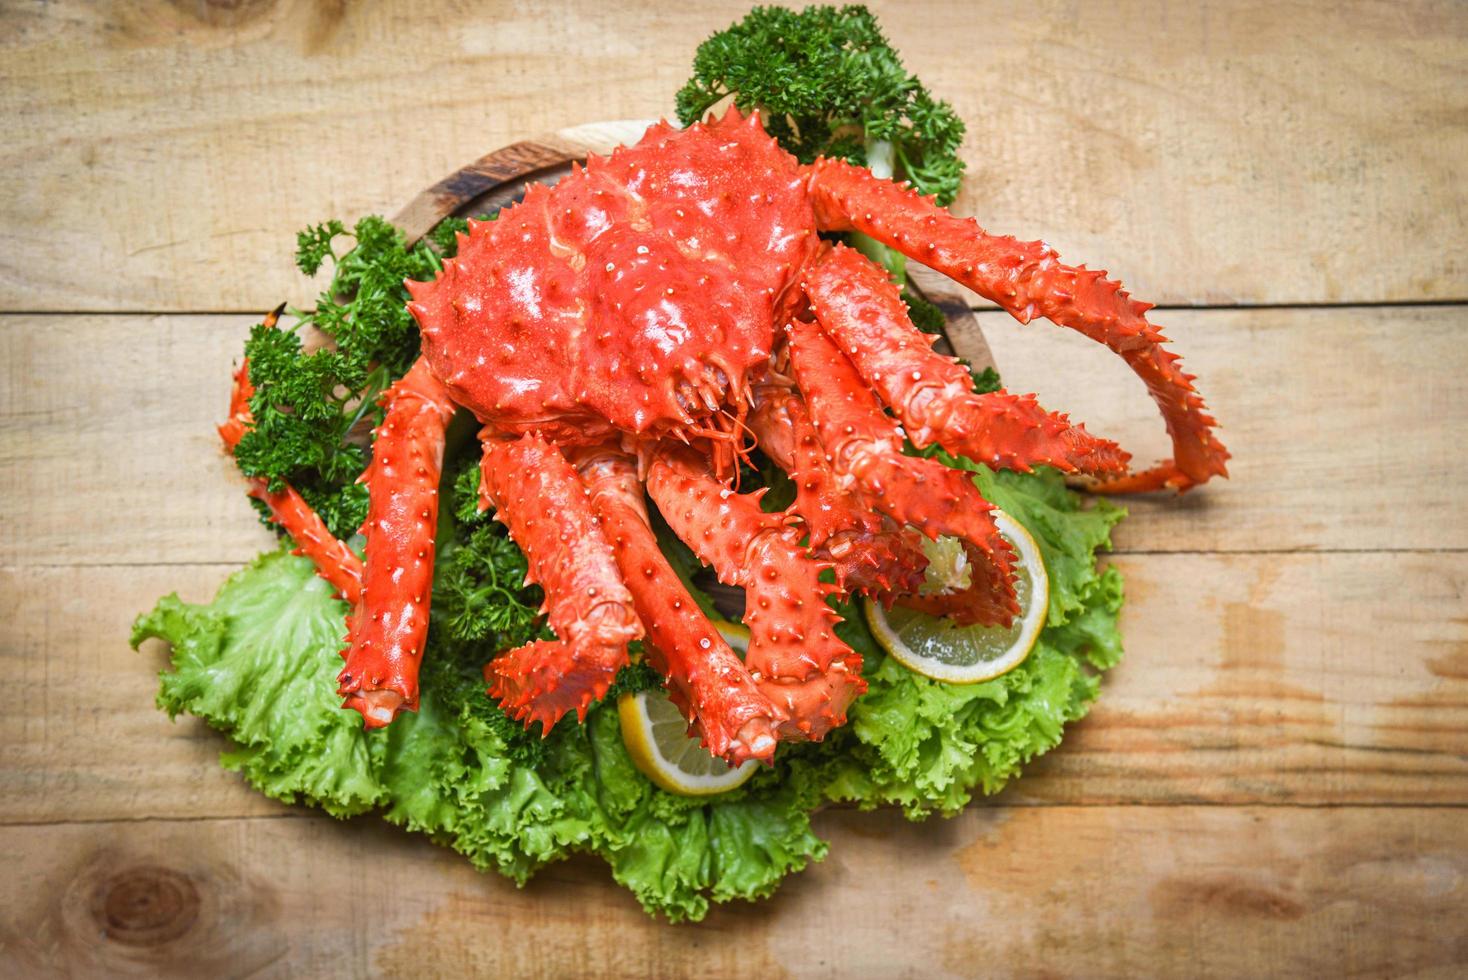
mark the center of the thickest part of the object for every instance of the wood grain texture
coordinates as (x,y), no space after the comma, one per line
(1274,781)
(469,183)
(1083,891)
(1330,415)
(1306,679)
(1345,423)
(161,156)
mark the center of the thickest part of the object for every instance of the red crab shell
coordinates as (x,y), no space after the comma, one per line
(638,294)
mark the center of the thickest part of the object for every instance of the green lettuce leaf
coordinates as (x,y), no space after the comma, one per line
(259,663)
(926,745)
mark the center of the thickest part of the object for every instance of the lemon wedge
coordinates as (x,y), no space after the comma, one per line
(943,650)
(656,735)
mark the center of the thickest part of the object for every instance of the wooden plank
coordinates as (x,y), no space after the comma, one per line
(90,742)
(1308,678)
(107,432)
(1345,424)
(1341,423)
(1251,153)
(1103,891)
(1311,679)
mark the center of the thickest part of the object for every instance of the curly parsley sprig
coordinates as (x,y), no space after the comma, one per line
(313,403)
(828,83)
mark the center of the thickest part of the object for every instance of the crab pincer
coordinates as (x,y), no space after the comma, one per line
(870,553)
(706,679)
(795,656)
(547,508)
(935,499)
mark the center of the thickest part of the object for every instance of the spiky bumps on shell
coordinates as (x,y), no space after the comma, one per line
(863,442)
(794,656)
(705,677)
(637,296)
(637,301)
(869,554)
(860,309)
(542,500)
(390,623)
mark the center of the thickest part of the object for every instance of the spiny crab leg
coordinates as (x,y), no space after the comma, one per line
(828,505)
(334,561)
(547,508)
(706,678)
(861,310)
(935,499)
(794,655)
(381,674)
(1028,279)
(870,555)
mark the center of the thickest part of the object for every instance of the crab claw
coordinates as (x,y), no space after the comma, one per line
(863,442)
(869,553)
(795,656)
(545,505)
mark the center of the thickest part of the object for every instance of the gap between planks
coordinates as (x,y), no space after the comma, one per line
(1113,146)
(1308,679)
(1323,416)
(306,812)
(1116,552)
(1389,304)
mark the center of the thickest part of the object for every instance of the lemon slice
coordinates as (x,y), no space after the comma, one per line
(943,650)
(656,735)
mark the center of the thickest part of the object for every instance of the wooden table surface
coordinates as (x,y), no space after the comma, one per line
(1275,779)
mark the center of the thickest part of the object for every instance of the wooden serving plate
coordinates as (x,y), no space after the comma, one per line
(500,178)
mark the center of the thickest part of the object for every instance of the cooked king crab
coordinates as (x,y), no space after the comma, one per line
(634,326)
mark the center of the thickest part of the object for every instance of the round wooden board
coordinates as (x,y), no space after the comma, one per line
(499,178)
